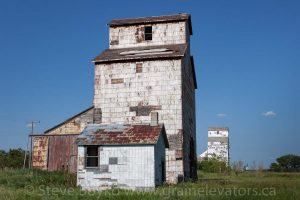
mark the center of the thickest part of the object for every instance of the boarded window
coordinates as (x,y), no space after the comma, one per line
(92,156)
(117,80)
(148,32)
(113,161)
(139,68)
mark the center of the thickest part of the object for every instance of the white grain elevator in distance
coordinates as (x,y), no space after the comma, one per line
(218,144)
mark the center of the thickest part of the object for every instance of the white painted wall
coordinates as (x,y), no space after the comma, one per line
(159,84)
(220,145)
(218,133)
(135,168)
(162,34)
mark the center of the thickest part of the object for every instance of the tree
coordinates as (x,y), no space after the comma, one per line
(275,167)
(287,163)
(15,158)
(3,156)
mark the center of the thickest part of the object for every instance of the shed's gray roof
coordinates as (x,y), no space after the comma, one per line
(218,129)
(153,20)
(142,53)
(121,134)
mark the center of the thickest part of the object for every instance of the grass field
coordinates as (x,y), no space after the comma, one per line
(24,184)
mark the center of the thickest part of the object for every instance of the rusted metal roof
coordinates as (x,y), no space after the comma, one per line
(121,134)
(218,129)
(142,53)
(153,20)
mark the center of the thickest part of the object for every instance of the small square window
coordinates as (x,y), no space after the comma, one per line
(92,156)
(148,32)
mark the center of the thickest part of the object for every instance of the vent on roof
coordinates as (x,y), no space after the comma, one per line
(147,52)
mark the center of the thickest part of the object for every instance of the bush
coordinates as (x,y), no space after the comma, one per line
(213,165)
(14,158)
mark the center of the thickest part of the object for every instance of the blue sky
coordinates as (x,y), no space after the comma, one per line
(247,58)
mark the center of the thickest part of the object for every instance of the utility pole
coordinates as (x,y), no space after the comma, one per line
(32,124)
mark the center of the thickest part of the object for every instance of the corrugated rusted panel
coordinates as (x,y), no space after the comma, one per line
(121,134)
(39,152)
(62,153)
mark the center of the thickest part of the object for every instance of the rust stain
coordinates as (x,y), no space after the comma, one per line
(40,150)
(117,80)
(139,68)
(139,35)
(62,153)
(178,154)
(114,42)
(129,134)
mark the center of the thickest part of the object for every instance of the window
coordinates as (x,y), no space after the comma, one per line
(92,156)
(148,32)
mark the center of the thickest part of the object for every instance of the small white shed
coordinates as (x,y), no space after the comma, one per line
(122,156)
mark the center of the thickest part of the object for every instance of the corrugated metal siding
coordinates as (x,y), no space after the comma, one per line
(62,153)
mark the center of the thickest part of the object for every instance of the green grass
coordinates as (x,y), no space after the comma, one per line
(24,184)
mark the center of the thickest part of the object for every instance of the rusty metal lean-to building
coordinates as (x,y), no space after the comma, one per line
(146,69)
(56,148)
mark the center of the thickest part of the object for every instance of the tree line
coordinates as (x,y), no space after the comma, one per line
(286,163)
(13,158)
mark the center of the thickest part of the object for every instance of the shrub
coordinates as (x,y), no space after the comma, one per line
(213,165)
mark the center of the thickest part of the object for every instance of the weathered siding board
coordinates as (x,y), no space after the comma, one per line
(133,36)
(159,85)
(56,149)
(135,168)
(62,153)
(74,125)
(40,152)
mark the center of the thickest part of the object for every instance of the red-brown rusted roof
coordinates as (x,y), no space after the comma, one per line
(153,20)
(120,134)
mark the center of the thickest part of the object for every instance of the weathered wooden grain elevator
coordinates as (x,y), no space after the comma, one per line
(147,72)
